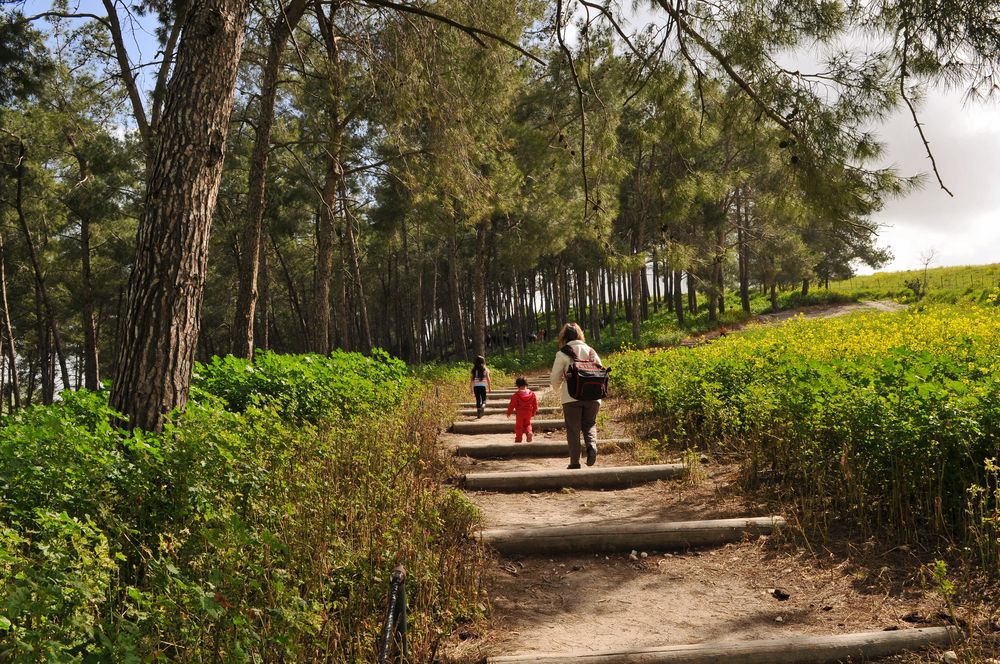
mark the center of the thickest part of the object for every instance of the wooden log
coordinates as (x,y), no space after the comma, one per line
(542,410)
(493,403)
(599,477)
(604,537)
(506,426)
(536,448)
(859,646)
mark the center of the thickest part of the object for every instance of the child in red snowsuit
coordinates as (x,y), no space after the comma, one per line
(525,403)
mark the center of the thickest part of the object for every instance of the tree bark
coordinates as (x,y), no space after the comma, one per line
(293,295)
(8,346)
(678,298)
(635,310)
(46,312)
(595,309)
(91,364)
(166,287)
(355,265)
(656,281)
(242,341)
(457,325)
(262,334)
(742,256)
(692,293)
(325,220)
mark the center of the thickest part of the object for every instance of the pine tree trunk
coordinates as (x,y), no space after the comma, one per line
(713,314)
(293,296)
(635,309)
(743,257)
(805,287)
(262,333)
(344,329)
(457,324)
(251,245)
(644,285)
(355,265)
(325,218)
(479,297)
(692,293)
(668,287)
(44,351)
(166,288)
(45,311)
(91,364)
(8,346)
(719,275)
(612,302)
(624,298)
(420,337)
(678,298)
(595,309)
(656,281)
(547,288)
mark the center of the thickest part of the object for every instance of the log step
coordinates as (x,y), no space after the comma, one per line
(542,410)
(491,403)
(506,426)
(536,448)
(599,477)
(603,537)
(859,646)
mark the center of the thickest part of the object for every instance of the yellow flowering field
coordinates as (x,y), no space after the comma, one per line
(890,420)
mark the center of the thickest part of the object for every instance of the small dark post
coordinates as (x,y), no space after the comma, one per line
(401,612)
(395,617)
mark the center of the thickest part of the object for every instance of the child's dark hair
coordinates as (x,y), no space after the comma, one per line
(479,367)
(521,381)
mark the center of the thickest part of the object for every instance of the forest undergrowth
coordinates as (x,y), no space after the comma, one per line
(260,526)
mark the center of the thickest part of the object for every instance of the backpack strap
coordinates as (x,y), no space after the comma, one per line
(569,351)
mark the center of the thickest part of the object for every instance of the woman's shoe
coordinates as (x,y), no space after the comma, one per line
(573,466)
(591,455)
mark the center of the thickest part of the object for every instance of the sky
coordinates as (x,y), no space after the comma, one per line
(965,139)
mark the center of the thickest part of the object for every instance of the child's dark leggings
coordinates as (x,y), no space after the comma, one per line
(480,392)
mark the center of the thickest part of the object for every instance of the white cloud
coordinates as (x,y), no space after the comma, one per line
(965,140)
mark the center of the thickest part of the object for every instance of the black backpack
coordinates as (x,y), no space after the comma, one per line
(586,379)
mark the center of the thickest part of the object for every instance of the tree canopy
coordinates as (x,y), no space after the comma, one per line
(435,178)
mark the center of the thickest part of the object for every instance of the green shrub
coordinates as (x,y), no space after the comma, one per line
(890,419)
(307,387)
(260,526)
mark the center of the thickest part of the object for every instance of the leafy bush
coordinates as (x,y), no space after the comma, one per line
(306,387)
(262,531)
(891,418)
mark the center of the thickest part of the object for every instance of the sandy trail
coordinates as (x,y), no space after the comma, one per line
(593,603)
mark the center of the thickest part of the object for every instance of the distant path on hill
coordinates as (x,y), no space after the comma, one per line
(817,311)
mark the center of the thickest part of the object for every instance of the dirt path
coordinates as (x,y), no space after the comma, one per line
(587,603)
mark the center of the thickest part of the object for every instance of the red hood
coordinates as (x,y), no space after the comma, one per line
(523,397)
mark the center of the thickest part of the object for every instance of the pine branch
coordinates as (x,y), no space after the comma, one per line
(475,33)
(913,113)
(138,110)
(720,57)
(583,112)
